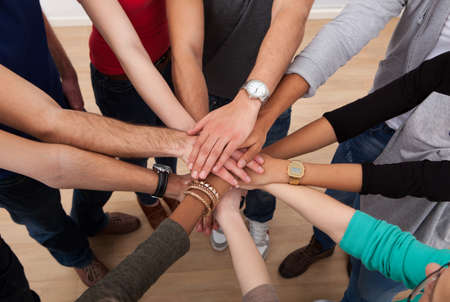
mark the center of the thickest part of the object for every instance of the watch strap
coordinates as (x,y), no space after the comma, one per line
(163,179)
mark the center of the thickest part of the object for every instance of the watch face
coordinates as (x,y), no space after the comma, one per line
(296,169)
(162,168)
(257,89)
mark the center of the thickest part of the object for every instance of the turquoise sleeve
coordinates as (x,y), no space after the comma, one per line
(385,248)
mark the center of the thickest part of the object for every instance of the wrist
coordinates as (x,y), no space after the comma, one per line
(244,102)
(228,217)
(175,187)
(281,175)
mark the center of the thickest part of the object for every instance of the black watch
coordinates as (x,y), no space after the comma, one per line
(163,172)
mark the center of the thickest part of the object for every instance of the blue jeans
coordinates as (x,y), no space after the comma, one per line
(116,99)
(14,285)
(39,208)
(364,285)
(260,205)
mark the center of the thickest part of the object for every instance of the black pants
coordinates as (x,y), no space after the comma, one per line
(14,286)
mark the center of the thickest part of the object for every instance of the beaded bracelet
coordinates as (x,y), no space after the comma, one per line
(202,200)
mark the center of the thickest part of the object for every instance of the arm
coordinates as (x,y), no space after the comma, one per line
(224,130)
(69,78)
(186,28)
(350,120)
(61,166)
(333,46)
(27,108)
(170,241)
(248,264)
(379,245)
(420,179)
(115,27)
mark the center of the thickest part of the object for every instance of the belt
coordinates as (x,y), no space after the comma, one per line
(160,64)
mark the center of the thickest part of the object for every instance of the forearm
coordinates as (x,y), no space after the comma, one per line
(59,55)
(62,166)
(248,264)
(322,211)
(187,55)
(124,41)
(313,136)
(190,210)
(289,90)
(26,108)
(281,41)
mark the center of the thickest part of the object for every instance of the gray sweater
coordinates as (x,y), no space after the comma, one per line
(425,134)
(129,281)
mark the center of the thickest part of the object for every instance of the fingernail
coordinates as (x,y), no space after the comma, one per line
(195,174)
(248,179)
(190,166)
(203,175)
(215,169)
(260,170)
(242,163)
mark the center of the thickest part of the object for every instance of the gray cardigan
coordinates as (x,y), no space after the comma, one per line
(425,134)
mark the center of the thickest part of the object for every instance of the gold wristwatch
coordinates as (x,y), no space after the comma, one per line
(296,170)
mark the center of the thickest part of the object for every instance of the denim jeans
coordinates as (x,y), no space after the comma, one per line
(364,285)
(39,208)
(116,99)
(14,286)
(260,205)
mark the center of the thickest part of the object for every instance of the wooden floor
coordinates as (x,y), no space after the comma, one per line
(205,275)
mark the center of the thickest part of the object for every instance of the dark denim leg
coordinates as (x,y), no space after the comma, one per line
(260,205)
(14,285)
(370,286)
(38,207)
(366,147)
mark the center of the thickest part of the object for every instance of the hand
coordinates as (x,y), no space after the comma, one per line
(230,168)
(275,171)
(176,186)
(222,131)
(229,204)
(71,90)
(255,142)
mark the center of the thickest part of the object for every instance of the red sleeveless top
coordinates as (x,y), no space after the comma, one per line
(150,22)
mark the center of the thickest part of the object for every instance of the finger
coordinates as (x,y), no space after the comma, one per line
(231,147)
(196,149)
(199,126)
(212,158)
(208,224)
(238,154)
(203,154)
(199,226)
(259,159)
(225,175)
(232,167)
(249,155)
(255,167)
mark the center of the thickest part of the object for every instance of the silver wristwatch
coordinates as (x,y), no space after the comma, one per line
(257,90)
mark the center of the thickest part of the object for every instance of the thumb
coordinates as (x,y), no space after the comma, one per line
(199,126)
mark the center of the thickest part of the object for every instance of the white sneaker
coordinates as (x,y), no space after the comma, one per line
(260,234)
(218,240)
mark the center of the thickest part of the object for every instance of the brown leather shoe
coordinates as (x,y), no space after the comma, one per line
(297,262)
(120,223)
(92,273)
(172,203)
(155,214)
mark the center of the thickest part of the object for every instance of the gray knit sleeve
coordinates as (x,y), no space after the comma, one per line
(341,39)
(262,293)
(140,270)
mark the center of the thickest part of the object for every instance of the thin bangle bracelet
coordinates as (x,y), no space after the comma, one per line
(208,193)
(203,201)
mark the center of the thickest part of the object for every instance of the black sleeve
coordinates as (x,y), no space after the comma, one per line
(429,179)
(396,98)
